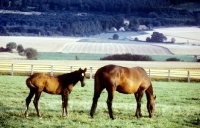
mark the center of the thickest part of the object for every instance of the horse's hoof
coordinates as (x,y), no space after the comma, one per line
(91,115)
(25,114)
(150,116)
(138,115)
(40,117)
(65,117)
(112,118)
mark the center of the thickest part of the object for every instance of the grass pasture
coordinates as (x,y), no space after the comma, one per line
(87,56)
(177,105)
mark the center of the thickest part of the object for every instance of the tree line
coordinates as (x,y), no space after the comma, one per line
(125,6)
(30,53)
(88,17)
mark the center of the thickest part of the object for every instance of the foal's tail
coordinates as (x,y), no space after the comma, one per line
(29,83)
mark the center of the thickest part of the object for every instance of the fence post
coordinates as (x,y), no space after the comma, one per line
(90,72)
(188,76)
(149,73)
(168,75)
(71,69)
(51,72)
(32,70)
(12,70)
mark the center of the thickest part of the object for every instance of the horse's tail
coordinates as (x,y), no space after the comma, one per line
(97,81)
(29,83)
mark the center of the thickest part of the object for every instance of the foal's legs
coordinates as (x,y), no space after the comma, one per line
(36,99)
(138,97)
(65,105)
(28,100)
(97,93)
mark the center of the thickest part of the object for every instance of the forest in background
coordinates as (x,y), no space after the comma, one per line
(89,17)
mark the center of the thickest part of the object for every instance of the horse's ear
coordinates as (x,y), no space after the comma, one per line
(85,69)
(79,69)
(154,97)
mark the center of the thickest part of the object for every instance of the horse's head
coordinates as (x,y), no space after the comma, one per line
(151,106)
(82,76)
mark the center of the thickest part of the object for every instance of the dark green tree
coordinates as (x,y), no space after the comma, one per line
(158,37)
(31,53)
(20,48)
(67,6)
(148,39)
(115,37)
(12,3)
(3,31)
(11,45)
(24,3)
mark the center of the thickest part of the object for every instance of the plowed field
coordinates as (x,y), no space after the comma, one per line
(115,48)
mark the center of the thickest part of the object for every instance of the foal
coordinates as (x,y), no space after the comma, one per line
(61,85)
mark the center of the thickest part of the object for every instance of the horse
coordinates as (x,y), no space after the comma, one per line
(124,80)
(61,85)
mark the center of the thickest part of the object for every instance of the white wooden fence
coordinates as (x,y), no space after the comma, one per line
(29,69)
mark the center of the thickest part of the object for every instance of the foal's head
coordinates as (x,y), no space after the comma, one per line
(151,106)
(82,76)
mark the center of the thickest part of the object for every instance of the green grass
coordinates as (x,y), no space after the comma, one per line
(66,56)
(73,56)
(177,105)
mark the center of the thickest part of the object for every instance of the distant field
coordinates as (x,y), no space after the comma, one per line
(42,44)
(188,35)
(187,43)
(115,48)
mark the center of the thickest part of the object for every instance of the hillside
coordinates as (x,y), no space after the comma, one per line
(86,18)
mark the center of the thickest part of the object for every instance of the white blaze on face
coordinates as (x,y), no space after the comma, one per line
(82,74)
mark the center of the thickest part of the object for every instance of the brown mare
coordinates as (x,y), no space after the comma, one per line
(124,80)
(61,85)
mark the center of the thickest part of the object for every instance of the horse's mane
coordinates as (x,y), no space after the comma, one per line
(69,78)
(68,74)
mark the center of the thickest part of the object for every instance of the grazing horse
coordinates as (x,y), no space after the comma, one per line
(61,85)
(124,80)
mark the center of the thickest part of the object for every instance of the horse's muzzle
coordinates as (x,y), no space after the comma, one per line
(82,84)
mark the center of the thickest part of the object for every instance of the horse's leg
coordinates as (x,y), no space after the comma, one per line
(65,105)
(109,102)
(28,100)
(97,93)
(36,100)
(138,97)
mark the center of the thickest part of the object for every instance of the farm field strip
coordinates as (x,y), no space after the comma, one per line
(42,44)
(182,34)
(182,49)
(115,48)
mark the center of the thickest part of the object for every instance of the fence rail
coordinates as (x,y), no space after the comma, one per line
(12,68)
